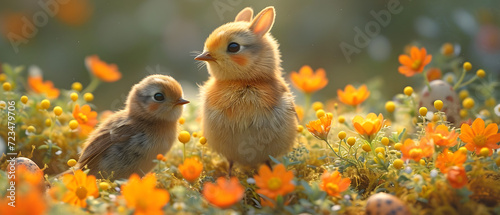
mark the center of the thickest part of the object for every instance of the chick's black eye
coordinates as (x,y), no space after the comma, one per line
(158,97)
(233,47)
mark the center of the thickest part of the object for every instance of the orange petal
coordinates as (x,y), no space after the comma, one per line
(478,126)
(414,53)
(306,71)
(491,129)
(405,60)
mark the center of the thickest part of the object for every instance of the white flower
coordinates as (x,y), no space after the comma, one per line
(497,110)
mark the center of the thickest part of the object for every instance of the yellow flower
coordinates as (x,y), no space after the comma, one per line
(438,104)
(191,169)
(481,73)
(88,97)
(45,104)
(24,99)
(317,106)
(203,140)
(468,103)
(353,96)
(76,86)
(398,164)
(390,106)
(80,186)
(86,118)
(74,97)
(369,126)
(71,162)
(422,111)
(320,113)
(6,86)
(143,196)
(408,91)
(57,110)
(73,124)
(184,137)
(342,135)
(467,66)
(351,141)
(307,81)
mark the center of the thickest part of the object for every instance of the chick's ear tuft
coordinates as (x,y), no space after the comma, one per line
(244,15)
(263,22)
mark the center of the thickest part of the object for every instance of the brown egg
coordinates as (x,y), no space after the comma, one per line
(383,203)
(28,163)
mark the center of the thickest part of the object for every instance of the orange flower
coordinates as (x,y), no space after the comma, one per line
(414,151)
(307,81)
(457,177)
(36,83)
(353,96)
(434,74)
(369,126)
(479,137)
(80,186)
(277,182)
(75,12)
(86,118)
(143,196)
(31,202)
(102,70)
(414,63)
(440,135)
(447,159)
(321,127)
(191,169)
(334,184)
(224,193)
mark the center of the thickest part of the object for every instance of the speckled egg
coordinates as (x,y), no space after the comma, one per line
(383,203)
(443,91)
(28,163)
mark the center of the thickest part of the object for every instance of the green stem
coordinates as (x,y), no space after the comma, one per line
(467,83)
(183,152)
(427,81)
(347,160)
(459,80)
(92,86)
(307,97)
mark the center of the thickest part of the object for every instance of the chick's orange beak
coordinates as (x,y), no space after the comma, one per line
(205,56)
(181,101)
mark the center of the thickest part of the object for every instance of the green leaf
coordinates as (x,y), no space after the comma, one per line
(274,159)
(401,134)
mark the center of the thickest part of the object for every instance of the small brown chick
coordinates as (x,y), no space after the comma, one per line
(128,141)
(248,109)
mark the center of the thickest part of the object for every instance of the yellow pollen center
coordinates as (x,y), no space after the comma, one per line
(415,153)
(141,204)
(274,183)
(333,188)
(83,117)
(480,140)
(81,192)
(416,64)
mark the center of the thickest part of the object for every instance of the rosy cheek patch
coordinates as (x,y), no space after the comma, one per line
(239,59)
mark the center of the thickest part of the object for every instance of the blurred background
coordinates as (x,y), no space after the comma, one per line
(158,36)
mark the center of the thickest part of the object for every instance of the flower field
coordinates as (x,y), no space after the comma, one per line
(433,148)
